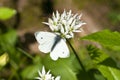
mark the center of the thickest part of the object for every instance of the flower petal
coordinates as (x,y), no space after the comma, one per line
(43,70)
(57,78)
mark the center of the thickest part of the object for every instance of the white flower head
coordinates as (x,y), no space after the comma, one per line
(46,76)
(65,24)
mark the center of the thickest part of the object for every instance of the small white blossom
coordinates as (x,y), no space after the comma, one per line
(65,24)
(46,76)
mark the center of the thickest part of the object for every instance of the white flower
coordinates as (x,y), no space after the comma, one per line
(46,76)
(65,24)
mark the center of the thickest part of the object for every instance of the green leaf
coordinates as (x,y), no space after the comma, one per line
(6,13)
(7,44)
(104,63)
(110,73)
(10,37)
(105,37)
(62,67)
(31,71)
(96,54)
(109,69)
(8,40)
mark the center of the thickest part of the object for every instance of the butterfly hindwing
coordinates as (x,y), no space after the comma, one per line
(60,50)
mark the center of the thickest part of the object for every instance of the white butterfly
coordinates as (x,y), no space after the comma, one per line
(50,42)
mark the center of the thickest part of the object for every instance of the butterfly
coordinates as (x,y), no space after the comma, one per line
(53,43)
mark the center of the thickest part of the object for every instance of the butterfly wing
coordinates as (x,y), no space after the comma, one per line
(60,50)
(46,41)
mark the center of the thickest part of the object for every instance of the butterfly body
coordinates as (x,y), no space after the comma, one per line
(53,43)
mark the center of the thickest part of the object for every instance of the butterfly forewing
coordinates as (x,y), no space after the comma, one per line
(46,41)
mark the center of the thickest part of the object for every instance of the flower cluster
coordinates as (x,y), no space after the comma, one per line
(65,24)
(46,76)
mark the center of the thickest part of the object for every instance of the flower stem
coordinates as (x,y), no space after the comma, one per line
(77,56)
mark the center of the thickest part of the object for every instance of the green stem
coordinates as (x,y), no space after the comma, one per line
(77,56)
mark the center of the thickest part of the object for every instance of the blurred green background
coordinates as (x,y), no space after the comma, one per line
(17,41)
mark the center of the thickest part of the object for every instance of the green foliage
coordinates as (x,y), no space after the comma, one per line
(96,54)
(114,18)
(31,71)
(6,13)
(66,68)
(8,40)
(105,37)
(110,73)
(103,62)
